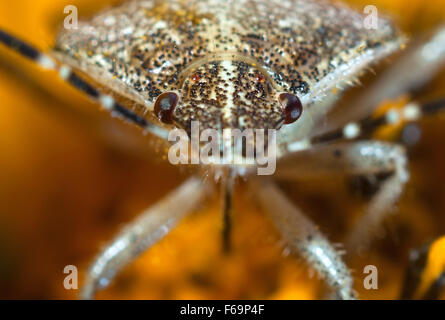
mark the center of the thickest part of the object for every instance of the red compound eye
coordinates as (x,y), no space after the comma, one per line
(165,105)
(292,107)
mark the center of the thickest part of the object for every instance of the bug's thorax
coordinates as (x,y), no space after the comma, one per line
(229,62)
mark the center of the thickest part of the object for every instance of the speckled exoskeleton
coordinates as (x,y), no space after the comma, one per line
(243,64)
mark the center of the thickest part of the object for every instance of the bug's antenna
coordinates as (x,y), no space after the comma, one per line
(71,77)
(19,46)
(353,130)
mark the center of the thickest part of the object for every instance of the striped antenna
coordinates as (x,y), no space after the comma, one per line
(72,78)
(353,130)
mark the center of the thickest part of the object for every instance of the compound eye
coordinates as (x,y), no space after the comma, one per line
(165,106)
(292,107)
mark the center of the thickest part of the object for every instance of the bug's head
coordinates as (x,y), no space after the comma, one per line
(227,94)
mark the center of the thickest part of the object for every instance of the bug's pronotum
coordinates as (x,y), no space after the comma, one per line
(270,59)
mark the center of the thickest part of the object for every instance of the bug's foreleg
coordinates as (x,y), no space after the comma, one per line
(388,158)
(355,158)
(304,238)
(425,275)
(141,234)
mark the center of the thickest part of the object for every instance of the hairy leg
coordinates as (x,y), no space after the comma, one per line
(304,238)
(357,158)
(141,234)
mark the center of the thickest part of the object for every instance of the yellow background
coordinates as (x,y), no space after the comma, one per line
(70,177)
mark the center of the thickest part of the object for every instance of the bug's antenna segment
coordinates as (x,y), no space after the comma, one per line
(353,130)
(19,46)
(410,112)
(72,78)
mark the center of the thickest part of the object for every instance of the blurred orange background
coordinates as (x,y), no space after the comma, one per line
(70,177)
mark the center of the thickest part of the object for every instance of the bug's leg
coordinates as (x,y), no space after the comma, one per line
(141,234)
(355,158)
(304,238)
(425,275)
(73,79)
